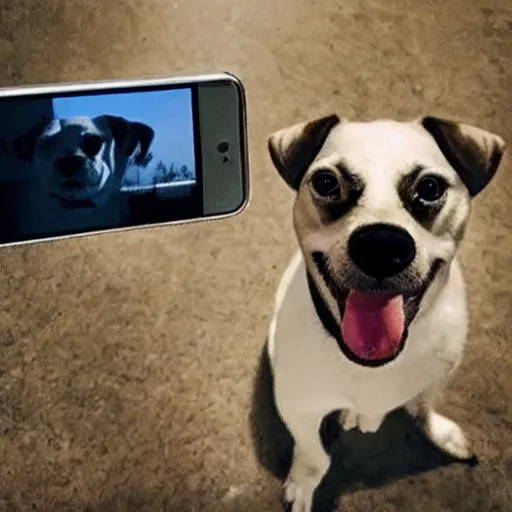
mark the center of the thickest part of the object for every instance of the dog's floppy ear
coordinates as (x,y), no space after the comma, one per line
(24,145)
(130,134)
(144,135)
(474,153)
(293,149)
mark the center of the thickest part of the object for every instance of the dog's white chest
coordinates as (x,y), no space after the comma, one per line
(311,372)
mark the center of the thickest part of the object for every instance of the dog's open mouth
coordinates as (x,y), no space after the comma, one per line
(72,185)
(373,325)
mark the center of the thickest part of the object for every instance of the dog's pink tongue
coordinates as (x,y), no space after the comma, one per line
(373,324)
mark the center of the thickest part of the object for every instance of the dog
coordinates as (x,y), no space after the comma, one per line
(81,161)
(370,315)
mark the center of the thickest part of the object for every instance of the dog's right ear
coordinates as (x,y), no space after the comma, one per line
(24,145)
(293,149)
(130,134)
(473,152)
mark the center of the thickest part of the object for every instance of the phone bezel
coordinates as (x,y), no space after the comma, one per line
(220,121)
(193,82)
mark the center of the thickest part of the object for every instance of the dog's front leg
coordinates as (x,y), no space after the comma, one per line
(444,433)
(310,461)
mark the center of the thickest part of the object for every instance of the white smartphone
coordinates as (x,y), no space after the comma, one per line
(85,158)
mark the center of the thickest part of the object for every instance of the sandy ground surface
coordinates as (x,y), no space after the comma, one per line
(130,375)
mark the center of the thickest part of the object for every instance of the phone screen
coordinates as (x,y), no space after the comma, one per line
(81,162)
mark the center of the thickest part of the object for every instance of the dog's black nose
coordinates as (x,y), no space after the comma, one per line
(381,250)
(69,165)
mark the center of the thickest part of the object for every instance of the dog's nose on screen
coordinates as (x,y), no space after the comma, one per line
(381,250)
(69,165)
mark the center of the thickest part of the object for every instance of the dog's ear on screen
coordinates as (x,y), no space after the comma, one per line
(144,135)
(24,145)
(130,135)
(293,149)
(474,153)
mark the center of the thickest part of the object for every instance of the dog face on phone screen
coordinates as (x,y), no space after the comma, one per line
(83,160)
(381,206)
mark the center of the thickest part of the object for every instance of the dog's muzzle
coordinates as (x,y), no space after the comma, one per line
(68,166)
(374,317)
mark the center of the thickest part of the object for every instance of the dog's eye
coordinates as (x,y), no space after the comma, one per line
(91,145)
(326,184)
(430,189)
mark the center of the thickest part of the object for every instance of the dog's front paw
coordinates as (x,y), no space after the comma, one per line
(298,496)
(350,420)
(448,437)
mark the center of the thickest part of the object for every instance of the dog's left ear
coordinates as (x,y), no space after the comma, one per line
(293,149)
(474,153)
(144,135)
(131,134)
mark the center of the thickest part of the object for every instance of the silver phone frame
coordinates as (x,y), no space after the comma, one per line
(98,85)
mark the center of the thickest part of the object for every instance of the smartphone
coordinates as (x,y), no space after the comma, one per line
(85,158)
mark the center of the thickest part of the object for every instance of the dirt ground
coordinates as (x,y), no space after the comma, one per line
(130,372)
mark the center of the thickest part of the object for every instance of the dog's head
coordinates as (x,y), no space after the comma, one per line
(82,160)
(381,207)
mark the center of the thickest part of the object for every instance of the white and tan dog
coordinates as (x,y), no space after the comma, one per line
(370,314)
(81,161)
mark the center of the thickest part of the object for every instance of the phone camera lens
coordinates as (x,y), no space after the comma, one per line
(225,159)
(223,147)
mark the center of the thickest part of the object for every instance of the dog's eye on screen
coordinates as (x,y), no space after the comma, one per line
(91,144)
(430,189)
(325,183)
